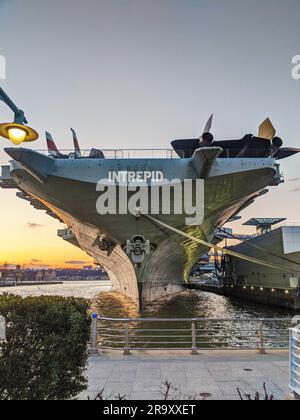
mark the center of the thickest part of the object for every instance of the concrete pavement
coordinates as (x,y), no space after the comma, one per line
(214,375)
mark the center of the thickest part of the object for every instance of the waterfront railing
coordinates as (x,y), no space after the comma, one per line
(191,334)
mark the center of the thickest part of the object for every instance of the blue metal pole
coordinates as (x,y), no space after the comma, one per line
(19,114)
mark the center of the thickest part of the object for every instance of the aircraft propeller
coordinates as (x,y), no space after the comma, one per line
(206,139)
(267,131)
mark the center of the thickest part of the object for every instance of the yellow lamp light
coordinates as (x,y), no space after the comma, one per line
(18,133)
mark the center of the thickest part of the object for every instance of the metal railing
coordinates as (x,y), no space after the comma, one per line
(295,361)
(148,154)
(288,224)
(192,334)
(124,153)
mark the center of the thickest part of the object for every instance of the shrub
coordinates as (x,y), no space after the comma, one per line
(45,354)
(257,396)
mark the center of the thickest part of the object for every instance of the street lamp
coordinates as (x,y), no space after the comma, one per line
(17,132)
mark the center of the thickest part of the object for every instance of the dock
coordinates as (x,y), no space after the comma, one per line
(5,284)
(280,297)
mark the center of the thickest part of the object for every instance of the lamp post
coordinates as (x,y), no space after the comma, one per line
(17,131)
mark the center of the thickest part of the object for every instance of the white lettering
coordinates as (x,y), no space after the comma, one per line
(296,68)
(175,197)
(107,202)
(2,68)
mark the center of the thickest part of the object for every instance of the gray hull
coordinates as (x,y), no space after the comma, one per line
(68,189)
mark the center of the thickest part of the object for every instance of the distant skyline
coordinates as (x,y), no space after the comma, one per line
(35,266)
(138,74)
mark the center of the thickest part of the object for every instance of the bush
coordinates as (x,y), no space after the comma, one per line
(45,355)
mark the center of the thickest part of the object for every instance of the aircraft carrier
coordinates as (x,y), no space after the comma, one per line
(144,260)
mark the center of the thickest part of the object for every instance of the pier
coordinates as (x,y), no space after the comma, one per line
(137,359)
(210,375)
(280,297)
(274,283)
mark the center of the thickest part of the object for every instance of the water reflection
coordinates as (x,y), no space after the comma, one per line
(209,305)
(113,305)
(188,305)
(191,305)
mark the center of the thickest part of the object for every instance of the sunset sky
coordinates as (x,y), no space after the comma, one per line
(138,74)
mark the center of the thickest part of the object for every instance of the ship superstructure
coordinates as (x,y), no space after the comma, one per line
(280,245)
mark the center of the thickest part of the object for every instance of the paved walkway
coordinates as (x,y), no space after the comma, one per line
(217,374)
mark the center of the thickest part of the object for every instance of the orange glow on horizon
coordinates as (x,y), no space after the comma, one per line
(29,237)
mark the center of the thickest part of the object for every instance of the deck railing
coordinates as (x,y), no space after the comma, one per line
(124,153)
(193,334)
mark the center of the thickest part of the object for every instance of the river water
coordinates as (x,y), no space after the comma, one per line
(188,305)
